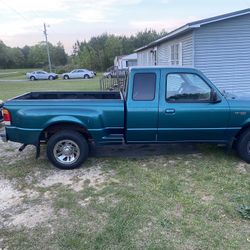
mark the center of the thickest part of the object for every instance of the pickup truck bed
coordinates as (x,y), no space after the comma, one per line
(101,112)
(69,95)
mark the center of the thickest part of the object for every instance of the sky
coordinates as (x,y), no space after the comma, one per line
(21,21)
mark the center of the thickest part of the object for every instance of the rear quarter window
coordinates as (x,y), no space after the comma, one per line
(144,87)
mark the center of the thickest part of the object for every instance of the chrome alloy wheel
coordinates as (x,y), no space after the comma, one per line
(66,152)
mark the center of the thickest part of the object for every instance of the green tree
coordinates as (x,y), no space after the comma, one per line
(99,52)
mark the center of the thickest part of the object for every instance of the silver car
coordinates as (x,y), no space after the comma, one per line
(78,73)
(41,75)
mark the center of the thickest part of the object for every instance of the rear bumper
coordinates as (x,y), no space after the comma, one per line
(1,108)
(3,137)
(22,135)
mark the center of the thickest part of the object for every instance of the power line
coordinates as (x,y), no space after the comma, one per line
(17,12)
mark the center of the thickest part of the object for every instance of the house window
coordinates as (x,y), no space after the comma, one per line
(176,54)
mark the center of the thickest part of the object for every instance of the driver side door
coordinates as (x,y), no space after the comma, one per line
(186,112)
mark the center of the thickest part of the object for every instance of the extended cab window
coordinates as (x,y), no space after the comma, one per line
(187,88)
(144,86)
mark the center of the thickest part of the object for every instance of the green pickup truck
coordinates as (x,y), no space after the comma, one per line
(158,105)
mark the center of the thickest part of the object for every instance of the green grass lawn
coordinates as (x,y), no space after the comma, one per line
(178,200)
(14,73)
(9,89)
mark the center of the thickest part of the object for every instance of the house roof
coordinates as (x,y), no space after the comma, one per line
(127,57)
(130,57)
(193,25)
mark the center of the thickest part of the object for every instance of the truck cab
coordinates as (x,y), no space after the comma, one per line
(174,105)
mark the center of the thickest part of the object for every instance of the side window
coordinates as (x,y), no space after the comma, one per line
(144,86)
(187,88)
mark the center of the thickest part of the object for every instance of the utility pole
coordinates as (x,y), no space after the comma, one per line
(47,45)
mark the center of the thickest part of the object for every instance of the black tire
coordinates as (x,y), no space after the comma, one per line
(72,141)
(86,76)
(32,78)
(51,78)
(66,77)
(243,146)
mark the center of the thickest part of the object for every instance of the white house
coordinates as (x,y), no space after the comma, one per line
(218,46)
(123,62)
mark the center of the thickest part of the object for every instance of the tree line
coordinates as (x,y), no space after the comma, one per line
(31,56)
(99,52)
(96,54)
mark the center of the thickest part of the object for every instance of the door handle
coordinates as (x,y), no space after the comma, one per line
(169,111)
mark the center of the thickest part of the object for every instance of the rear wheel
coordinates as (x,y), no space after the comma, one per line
(67,149)
(243,146)
(86,76)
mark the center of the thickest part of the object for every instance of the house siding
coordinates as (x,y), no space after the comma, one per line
(222,52)
(144,58)
(163,52)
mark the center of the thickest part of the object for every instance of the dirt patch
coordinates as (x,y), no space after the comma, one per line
(241,168)
(32,216)
(77,179)
(85,202)
(12,204)
(9,153)
(9,197)
(207,199)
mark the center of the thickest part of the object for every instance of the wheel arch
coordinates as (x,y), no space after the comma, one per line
(242,130)
(58,126)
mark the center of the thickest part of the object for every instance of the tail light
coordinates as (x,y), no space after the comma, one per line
(6,117)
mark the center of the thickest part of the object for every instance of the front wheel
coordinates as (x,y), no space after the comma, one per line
(243,146)
(67,149)
(86,76)
(51,78)
(32,78)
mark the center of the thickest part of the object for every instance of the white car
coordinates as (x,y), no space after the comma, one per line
(78,73)
(41,75)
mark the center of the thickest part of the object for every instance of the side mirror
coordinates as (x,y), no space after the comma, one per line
(214,97)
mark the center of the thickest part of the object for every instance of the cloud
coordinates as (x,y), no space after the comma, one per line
(166,24)
(25,6)
(86,11)
(23,27)
(92,16)
(101,11)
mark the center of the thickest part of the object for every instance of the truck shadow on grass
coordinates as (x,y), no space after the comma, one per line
(144,150)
